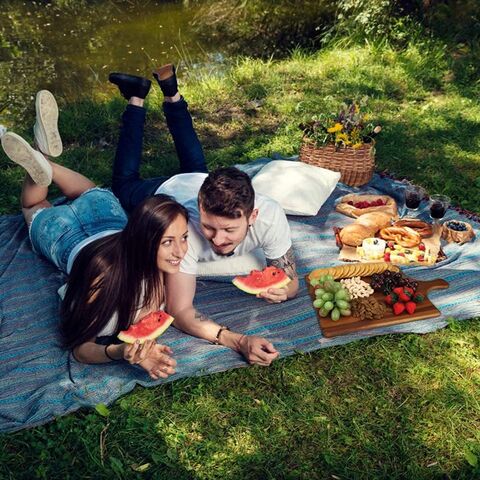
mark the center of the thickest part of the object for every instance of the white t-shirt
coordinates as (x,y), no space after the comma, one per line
(270,232)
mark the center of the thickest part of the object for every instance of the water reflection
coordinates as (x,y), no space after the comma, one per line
(71,49)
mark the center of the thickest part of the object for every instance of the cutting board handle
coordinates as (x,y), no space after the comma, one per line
(437,284)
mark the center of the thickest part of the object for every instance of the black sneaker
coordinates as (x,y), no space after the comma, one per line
(166,78)
(130,85)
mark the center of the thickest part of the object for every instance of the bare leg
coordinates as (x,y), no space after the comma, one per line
(71,183)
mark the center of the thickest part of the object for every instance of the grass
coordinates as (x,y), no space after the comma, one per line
(404,406)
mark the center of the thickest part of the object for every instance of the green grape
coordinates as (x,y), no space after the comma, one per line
(328,306)
(335,315)
(318,303)
(329,286)
(323,312)
(327,296)
(314,282)
(342,304)
(341,294)
(319,292)
(345,312)
(337,286)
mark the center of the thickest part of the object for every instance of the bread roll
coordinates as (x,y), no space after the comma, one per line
(375,220)
(364,227)
(355,233)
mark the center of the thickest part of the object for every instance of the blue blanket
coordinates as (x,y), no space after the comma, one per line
(34,373)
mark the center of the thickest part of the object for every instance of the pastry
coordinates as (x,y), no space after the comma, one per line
(354,205)
(424,229)
(363,227)
(403,236)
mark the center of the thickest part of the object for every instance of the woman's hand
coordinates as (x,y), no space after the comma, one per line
(159,362)
(258,350)
(137,352)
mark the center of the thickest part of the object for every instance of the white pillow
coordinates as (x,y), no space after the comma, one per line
(301,189)
(242,265)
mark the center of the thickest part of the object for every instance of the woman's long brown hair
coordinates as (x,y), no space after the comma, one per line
(111,274)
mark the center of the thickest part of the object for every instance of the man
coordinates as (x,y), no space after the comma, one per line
(226,217)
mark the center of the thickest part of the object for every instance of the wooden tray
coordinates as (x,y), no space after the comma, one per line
(351,324)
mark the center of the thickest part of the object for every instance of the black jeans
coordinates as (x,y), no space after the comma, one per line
(126,182)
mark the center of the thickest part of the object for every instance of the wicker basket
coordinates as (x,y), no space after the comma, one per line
(356,165)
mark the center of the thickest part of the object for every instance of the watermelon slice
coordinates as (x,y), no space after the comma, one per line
(260,280)
(147,328)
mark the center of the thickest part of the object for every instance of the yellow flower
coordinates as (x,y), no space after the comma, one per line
(357,145)
(342,138)
(338,127)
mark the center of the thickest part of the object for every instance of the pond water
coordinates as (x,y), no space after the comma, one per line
(71,49)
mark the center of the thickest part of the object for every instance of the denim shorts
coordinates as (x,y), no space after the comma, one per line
(55,231)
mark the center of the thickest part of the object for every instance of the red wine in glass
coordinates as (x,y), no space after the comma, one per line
(438,206)
(413,197)
(437,210)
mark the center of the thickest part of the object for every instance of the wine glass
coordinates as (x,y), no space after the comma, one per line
(413,195)
(438,206)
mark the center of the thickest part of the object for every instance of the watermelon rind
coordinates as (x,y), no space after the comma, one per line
(131,335)
(242,282)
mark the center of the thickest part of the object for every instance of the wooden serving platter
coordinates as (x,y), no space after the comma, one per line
(346,325)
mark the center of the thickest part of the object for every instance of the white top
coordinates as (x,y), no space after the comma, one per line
(111,327)
(84,243)
(270,232)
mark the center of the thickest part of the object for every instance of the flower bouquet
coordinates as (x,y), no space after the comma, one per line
(342,142)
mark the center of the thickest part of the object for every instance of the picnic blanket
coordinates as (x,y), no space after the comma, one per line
(38,385)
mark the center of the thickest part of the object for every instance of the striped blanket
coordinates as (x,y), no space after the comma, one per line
(38,385)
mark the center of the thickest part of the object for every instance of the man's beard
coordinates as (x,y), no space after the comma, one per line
(221,254)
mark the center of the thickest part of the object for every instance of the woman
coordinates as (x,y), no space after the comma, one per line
(115,266)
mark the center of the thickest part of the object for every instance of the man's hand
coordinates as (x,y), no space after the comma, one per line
(274,295)
(258,350)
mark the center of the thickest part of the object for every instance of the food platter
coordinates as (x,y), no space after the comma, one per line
(350,324)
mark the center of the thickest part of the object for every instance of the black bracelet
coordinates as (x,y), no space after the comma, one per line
(217,338)
(107,355)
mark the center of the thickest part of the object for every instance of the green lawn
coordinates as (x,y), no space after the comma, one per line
(396,407)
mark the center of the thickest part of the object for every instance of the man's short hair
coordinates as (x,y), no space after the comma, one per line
(227,192)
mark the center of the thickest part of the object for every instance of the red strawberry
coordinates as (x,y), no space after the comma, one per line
(398,290)
(398,308)
(386,257)
(418,298)
(410,307)
(404,297)
(391,299)
(410,290)
(421,247)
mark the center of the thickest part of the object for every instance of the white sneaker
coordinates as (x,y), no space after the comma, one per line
(45,129)
(20,152)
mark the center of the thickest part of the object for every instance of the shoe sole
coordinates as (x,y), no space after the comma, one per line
(21,153)
(47,117)
(164,72)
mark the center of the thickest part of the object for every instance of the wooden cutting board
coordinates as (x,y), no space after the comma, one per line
(351,324)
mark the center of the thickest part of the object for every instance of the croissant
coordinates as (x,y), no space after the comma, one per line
(404,236)
(364,227)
